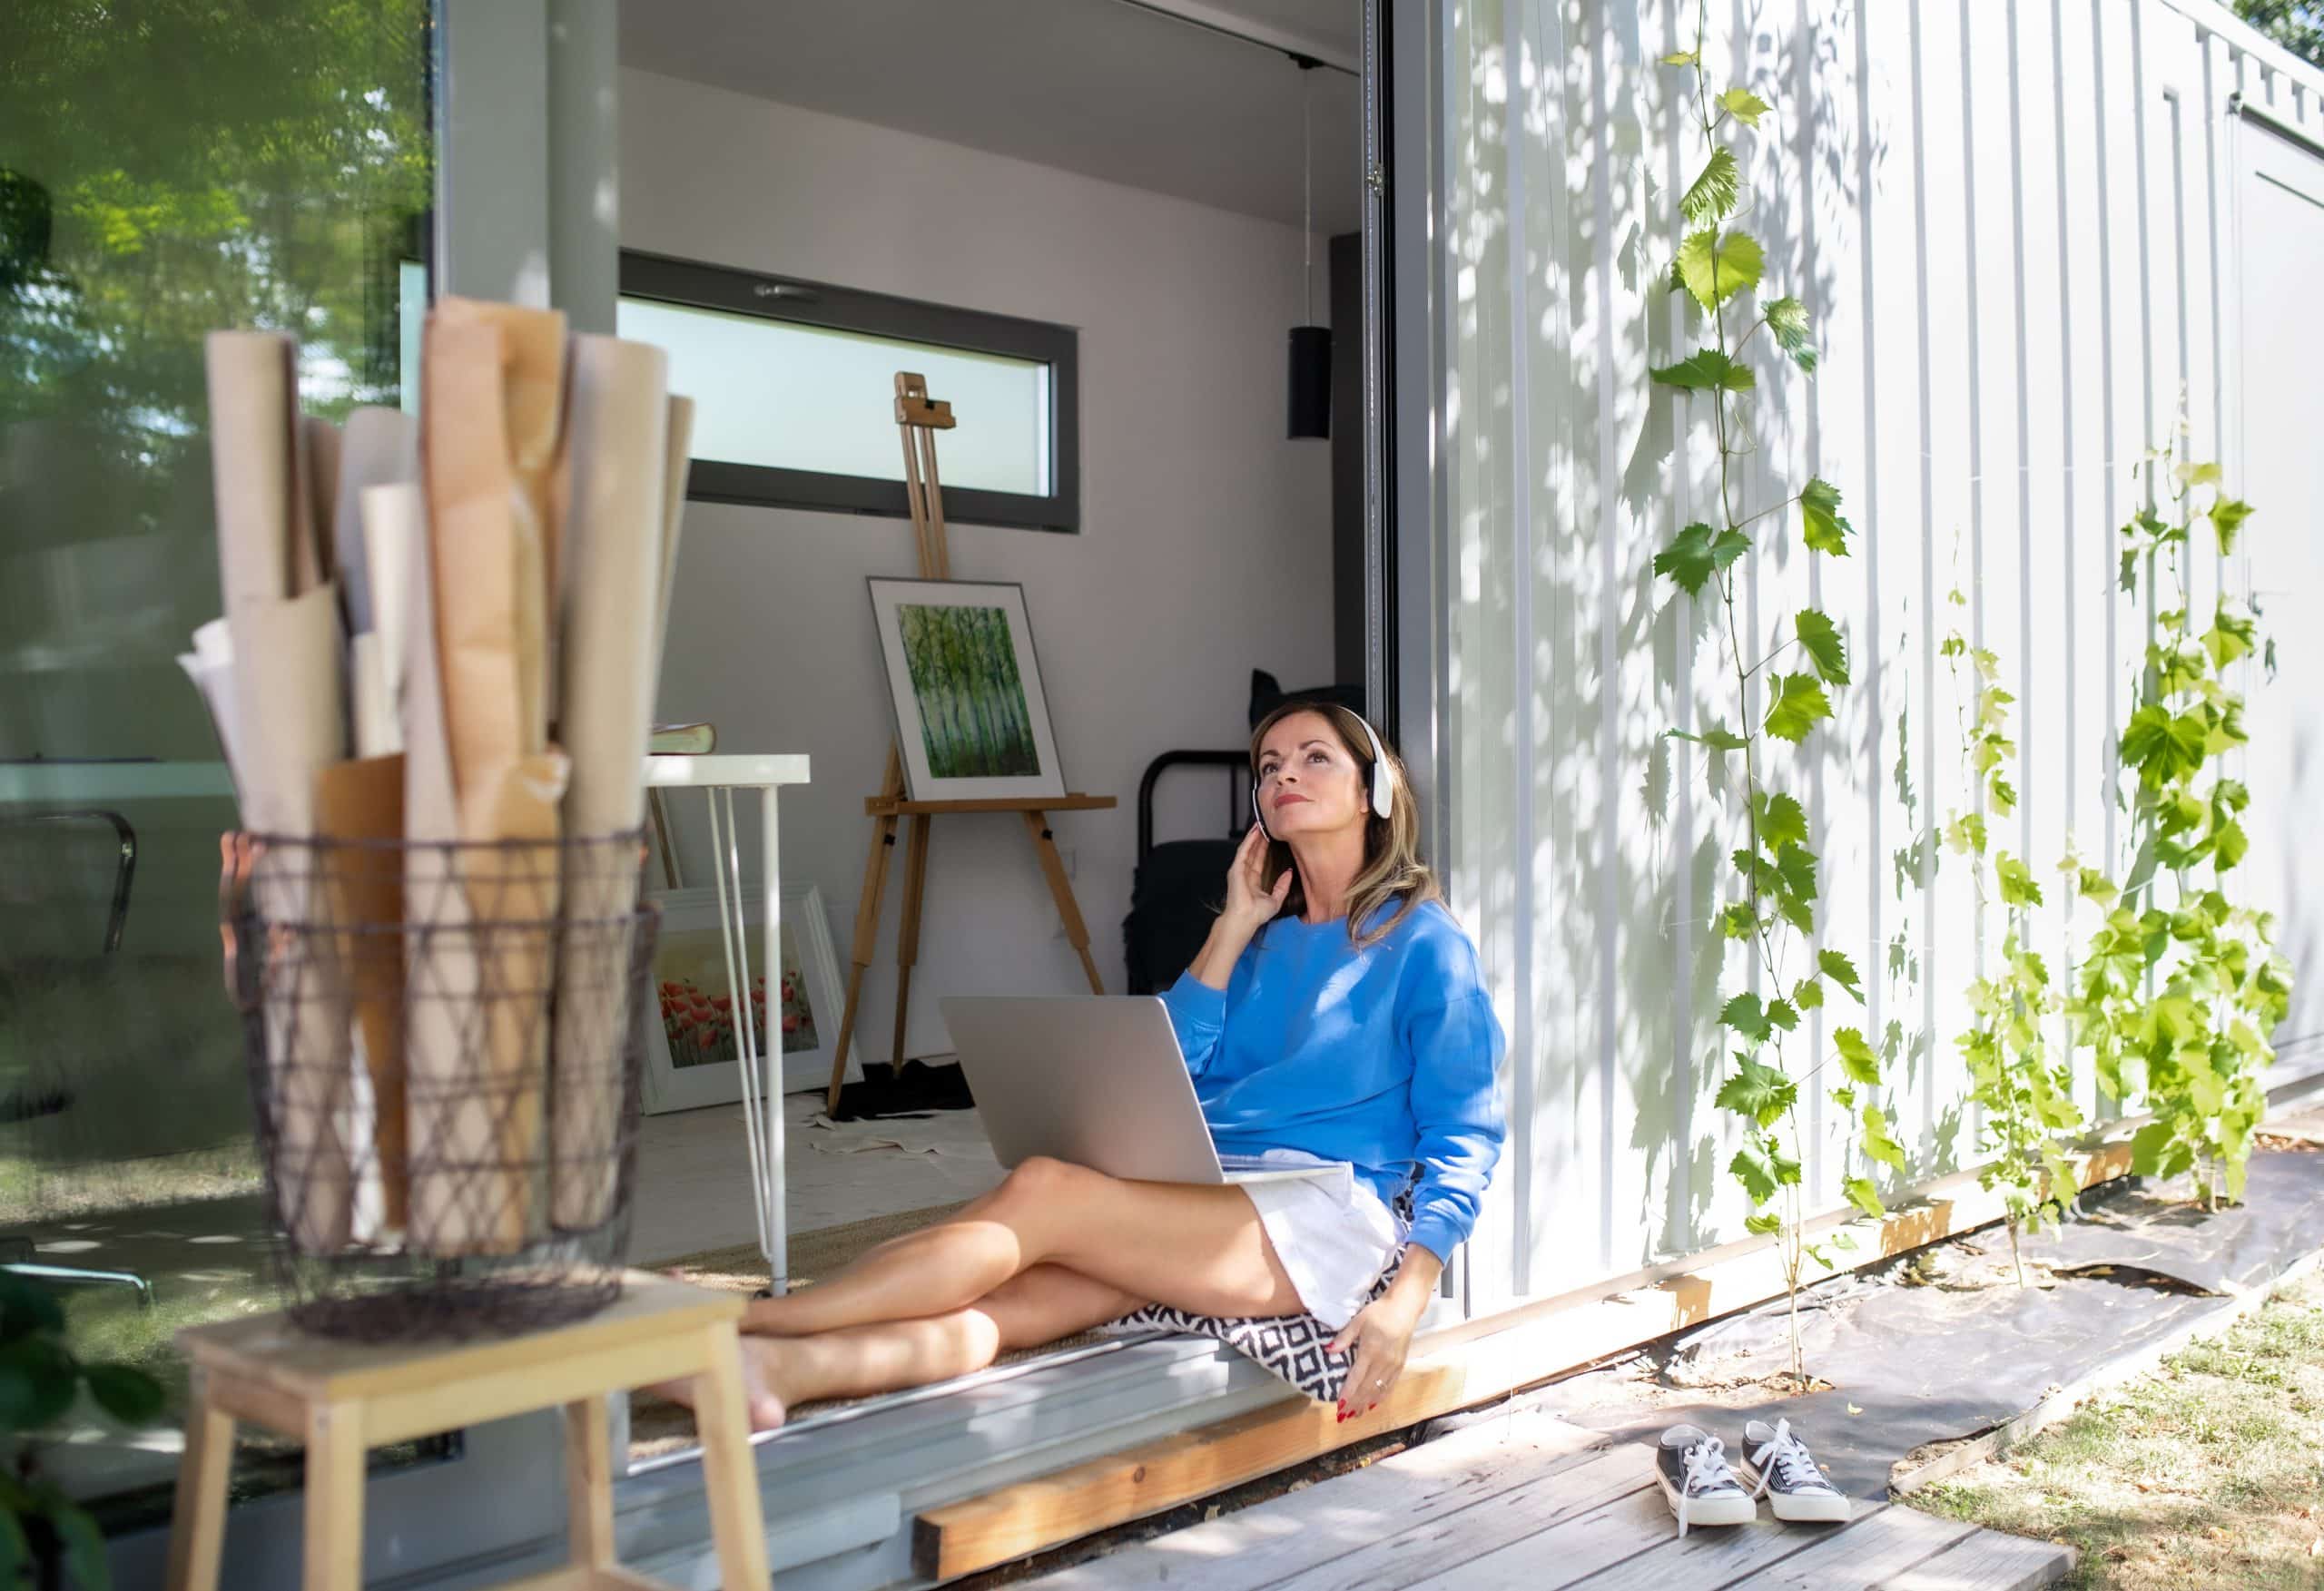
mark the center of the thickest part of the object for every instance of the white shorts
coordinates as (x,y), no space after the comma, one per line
(1332,1234)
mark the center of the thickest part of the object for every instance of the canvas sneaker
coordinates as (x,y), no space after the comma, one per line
(1785,1471)
(1697,1481)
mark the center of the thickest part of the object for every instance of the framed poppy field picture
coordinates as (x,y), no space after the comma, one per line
(692,1045)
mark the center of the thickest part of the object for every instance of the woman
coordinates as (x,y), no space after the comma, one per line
(1334,1016)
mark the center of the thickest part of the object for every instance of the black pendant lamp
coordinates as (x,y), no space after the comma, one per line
(1310,387)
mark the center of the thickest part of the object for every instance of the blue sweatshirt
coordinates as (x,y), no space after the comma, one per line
(1385,1057)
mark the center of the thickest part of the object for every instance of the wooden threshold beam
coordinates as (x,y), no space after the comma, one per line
(1451,1369)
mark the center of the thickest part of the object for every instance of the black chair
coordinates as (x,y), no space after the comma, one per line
(17,1254)
(1180,884)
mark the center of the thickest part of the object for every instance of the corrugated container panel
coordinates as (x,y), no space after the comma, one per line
(2023,229)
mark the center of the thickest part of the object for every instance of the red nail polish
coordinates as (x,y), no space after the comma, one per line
(1369,1408)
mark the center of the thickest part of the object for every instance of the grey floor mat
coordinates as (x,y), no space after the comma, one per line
(1944,1345)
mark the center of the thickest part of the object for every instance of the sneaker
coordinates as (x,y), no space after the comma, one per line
(1697,1481)
(1785,1472)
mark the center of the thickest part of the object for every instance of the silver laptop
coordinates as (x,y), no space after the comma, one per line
(1098,1080)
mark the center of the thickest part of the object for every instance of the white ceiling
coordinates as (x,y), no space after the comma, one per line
(1102,87)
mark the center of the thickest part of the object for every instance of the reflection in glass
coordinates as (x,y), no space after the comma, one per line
(166,167)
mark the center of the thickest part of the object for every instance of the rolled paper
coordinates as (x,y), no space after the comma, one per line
(380,448)
(286,712)
(320,444)
(393,518)
(479,1127)
(362,802)
(252,380)
(619,434)
(532,390)
(378,732)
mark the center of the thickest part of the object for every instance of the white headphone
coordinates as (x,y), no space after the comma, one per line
(1383,798)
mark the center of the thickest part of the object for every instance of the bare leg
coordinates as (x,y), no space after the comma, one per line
(1195,1248)
(1039,1306)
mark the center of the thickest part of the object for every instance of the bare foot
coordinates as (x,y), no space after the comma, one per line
(761,1399)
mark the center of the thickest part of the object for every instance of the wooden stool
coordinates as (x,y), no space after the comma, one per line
(343,1397)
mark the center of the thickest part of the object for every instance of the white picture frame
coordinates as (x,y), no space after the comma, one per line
(690,951)
(947,733)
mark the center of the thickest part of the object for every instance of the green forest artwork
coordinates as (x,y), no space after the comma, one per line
(973,716)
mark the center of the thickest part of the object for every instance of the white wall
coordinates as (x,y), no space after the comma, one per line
(2015,223)
(1205,543)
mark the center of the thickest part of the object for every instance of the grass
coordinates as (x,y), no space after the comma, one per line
(2209,1472)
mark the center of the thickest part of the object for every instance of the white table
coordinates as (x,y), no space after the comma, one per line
(718,777)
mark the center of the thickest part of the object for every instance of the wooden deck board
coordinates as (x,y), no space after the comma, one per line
(1987,1560)
(1863,1556)
(1458,1539)
(1263,1546)
(1534,1506)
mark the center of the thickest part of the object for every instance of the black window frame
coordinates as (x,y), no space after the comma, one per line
(667,280)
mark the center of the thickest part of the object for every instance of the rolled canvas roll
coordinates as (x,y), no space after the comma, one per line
(380,448)
(617,440)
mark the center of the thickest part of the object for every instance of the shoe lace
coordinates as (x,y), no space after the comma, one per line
(1785,1458)
(1706,1469)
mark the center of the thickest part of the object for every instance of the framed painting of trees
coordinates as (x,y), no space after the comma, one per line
(970,716)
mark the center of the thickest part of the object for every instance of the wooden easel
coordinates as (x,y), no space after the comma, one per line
(918,420)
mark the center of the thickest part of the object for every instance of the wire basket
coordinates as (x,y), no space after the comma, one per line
(445,1065)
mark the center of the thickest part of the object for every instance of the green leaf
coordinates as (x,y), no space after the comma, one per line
(2148,1147)
(1858,1058)
(1713,193)
(1783,1014)
(1877,1144)
(15,1552)
(1766,1221)
(1796,867)
(1761,1093)
(2163,746)
(37,1381)
(2228,516)
(1715,266)
(1708,369)
(1864,1196)
(2229,638)
(1787,323)
(1808,994)
(2228,844)
(1840,970)
(1743,1014)
(1737,922)
(130,1395)
(2128,577)
(1695,554)
(1821,525)
(1825,646)
(1680,58)
(1744,105)
(1779,820)
(1762,1172)
(25,1308)
(1798,703)
(1717,737)
(2018,886)
(85,1543)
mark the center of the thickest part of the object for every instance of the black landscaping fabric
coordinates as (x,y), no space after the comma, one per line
(1914,1360)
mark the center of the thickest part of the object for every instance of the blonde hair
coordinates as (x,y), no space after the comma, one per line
(1391,869)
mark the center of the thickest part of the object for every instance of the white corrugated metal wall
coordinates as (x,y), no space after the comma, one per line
(2011,220)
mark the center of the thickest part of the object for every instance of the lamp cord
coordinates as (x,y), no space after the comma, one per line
(1307,188)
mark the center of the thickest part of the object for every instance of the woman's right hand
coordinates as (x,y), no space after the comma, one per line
(1250,904)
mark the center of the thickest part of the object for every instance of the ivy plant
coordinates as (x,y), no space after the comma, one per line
(2180,986)
(2023,1086)
(41,1528)
(1769,909)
